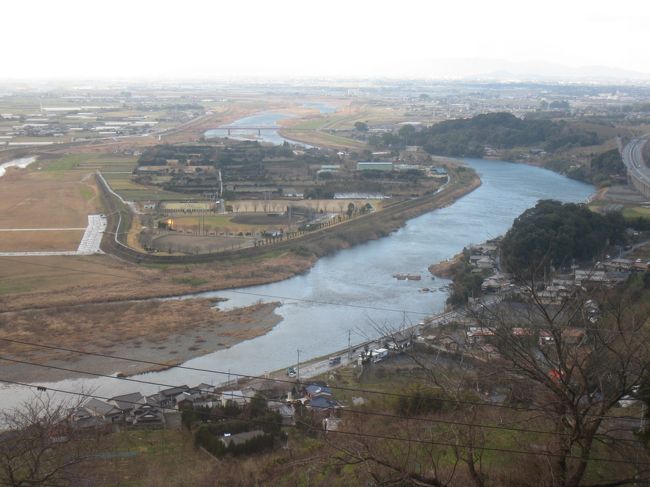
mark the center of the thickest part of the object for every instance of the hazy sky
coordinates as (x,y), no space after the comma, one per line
(242,38)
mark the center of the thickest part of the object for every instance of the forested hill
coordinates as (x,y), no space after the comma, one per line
(469,137)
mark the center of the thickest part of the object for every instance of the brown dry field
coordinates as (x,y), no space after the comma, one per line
(34,199)
(49,282)
(40,241)
(165,332)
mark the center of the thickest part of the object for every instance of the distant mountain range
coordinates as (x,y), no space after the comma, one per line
(500,70)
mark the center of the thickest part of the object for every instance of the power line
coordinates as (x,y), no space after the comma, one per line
(272,296)
(283,381)
(352,411)
(358,434)
(248,293)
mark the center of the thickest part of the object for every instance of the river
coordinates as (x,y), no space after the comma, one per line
(353,290)
(264,119)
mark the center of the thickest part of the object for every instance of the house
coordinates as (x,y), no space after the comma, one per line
(553,294)
(485,263)
(477,334)
(95,412)
(149,413)
(240,397)
(323,403)
(287,411)
(315,390)
(127,402)
(167,397)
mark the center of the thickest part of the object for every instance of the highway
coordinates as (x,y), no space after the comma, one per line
(637,170)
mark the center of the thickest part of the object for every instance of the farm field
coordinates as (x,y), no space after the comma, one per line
(233,224)
(45,196)
(34,241)
(121,183)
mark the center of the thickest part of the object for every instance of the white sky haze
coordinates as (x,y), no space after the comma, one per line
(310,38)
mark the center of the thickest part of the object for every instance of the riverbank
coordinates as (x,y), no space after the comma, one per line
(167,332)
(348,290)
(117,281)
(121,316)
(447,268)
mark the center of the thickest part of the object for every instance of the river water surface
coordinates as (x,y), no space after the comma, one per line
(354,288)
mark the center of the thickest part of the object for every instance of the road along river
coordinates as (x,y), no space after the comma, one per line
(353,290)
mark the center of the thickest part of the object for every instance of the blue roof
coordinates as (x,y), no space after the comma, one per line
(315,390)
(323,403)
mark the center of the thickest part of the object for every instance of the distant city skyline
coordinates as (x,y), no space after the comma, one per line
(72,39)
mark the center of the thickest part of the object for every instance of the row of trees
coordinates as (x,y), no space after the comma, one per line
(557,235)
(468,137)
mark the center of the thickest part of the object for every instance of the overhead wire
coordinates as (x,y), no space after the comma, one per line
(365,435)
(283,381)
(344,410)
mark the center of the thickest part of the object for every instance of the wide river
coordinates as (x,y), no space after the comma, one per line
(353,290)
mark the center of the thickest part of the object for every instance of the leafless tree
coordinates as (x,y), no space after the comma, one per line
(39,446)
(563,367)
(577,357)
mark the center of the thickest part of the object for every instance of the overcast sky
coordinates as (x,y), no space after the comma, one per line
(244,38)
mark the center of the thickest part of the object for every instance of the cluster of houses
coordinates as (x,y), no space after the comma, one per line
(138,410)
(156,410)
(484,258)
(609,273)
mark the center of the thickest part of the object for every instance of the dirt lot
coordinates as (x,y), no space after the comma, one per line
(168,332)
(40,241)
(191,244)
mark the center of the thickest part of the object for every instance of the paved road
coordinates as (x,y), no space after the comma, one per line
(317,367)
(637,169)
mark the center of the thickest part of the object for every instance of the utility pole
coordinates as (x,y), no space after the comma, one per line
(349,348)
(298,367)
